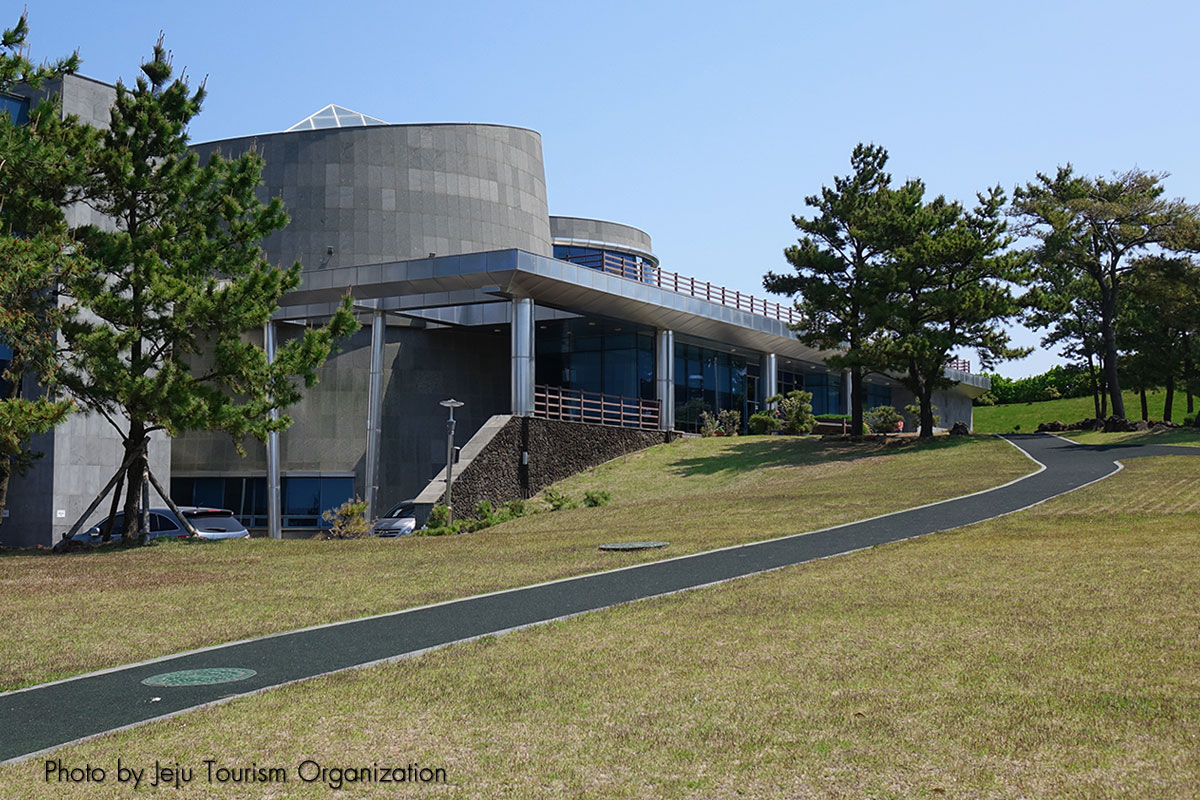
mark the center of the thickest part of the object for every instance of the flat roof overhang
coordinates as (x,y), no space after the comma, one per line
(482,277)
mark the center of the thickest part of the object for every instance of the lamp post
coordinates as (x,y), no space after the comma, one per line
(450,404)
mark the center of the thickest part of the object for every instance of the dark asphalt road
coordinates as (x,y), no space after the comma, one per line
(44,717)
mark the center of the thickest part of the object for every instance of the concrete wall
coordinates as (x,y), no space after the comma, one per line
(596,233)
(950,407)
(395,192)
(421,368)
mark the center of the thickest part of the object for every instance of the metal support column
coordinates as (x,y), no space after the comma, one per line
(522,356)
(847,385)
(769,379)
(664,368)
(374,413)
(274,521)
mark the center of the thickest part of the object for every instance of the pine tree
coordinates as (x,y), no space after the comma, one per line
(951,289)
(840,269)
(180,278)
(1101,228)
(42,158)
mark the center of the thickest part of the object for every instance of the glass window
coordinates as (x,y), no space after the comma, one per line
(17,108)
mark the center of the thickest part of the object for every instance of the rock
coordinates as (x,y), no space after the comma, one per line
(1164,424)
(1141,425)
(1051,427)
(1119,425)
(960,429)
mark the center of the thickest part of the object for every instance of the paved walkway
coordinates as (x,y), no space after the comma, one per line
(41,718)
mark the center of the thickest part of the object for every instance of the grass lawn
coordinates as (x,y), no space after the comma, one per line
(1050,653)
(80,612)
(1006,418)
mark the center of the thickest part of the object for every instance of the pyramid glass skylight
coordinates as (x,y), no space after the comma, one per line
(332,116)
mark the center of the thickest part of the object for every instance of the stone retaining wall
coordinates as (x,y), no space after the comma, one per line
(556,450)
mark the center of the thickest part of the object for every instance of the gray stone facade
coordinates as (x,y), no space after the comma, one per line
(599,233)
(396,192)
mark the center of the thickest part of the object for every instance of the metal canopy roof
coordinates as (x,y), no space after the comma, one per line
(483,277)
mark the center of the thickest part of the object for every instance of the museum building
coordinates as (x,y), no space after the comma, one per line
(469,288)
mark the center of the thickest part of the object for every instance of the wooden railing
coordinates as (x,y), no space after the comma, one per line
(960,364)
(573,405)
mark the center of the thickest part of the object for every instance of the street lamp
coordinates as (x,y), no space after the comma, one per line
(450,404)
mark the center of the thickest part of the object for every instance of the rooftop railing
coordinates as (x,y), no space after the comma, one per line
(682,284)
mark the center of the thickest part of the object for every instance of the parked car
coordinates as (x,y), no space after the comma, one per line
(210,523)
(400,521)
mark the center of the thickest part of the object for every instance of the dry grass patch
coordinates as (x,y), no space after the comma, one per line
(1049,653)
(89,611)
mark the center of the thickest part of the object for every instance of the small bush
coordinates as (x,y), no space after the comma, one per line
(729,422)
(763,422)
(708,424)
(795,410)
(558,500)
(882,419)
(348,520)
(439,516)
(914,410)
(597,497)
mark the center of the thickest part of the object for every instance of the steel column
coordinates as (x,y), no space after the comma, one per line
(274,521)
(664,369)
(522,356)
(374,412)
(769,379)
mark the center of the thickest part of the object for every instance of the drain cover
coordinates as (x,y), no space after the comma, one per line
(200,677)
(633,545)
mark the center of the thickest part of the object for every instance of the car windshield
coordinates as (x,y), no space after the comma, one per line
(403,510)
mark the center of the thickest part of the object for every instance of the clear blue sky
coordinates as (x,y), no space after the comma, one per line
(706,124)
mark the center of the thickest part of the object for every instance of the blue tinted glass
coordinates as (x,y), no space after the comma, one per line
(17,108)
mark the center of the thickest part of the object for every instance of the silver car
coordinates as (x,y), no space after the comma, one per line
(210,523)
(401,520)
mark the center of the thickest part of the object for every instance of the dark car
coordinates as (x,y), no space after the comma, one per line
(401,520)
(210,523)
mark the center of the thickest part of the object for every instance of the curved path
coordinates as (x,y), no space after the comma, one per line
(41,718)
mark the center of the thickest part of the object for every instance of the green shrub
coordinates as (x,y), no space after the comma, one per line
(708,424)
(348,520)
(729,422)
(596,497)
(763,422)
(558,500)
(795,410)
(882,419)
(914,410)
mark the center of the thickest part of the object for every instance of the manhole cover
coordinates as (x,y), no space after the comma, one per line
(633,545)
(200,677)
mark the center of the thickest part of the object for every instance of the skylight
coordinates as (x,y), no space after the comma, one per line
(332,116)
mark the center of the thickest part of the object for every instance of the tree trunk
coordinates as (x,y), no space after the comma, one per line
(1170,399)
(926,414)
(133,481)
(106,534)
(856,401)
(1095,385)
(1108,306)
(1142,394)
(1103,391)
(5,472)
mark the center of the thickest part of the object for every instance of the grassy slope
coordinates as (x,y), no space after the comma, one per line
(1045,654)
(1025,417)
(88,611)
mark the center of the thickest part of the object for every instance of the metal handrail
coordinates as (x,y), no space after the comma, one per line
(574,405)
(682,284)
